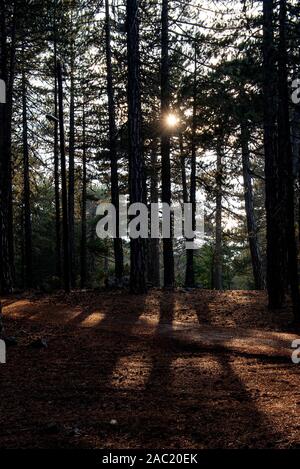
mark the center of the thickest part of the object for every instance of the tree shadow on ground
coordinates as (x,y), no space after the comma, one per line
(243,423)
(122,389)
(198,397)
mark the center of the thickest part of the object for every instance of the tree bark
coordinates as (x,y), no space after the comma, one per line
(138,281)
(71,186)
(168,254)
(9,175)
(6,241)
(190,274)
(66,245)
(118,248)
(218,253)
(257,269)
(154,251)
(275,243)
(286,157)
(83,245)
(183,170)
(56,159)
(26,184)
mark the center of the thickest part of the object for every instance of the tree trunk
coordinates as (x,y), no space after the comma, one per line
(6,241)
(154,251)
(168,254)
(275,243)
(83,246)
(138,282)
(56,162)
(295,141)
(286,157)
(66,245)
(72,167)
(249,207)
(183,170)
(190,274)
(218,254)
(12,63)
(118,248)
(26,184)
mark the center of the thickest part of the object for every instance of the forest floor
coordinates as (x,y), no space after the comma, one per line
(188,369)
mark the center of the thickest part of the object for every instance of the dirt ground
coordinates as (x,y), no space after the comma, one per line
(184,369)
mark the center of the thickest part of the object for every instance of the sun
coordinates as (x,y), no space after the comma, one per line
(171,120)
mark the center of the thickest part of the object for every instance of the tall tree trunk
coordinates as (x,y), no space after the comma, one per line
(22,247)
(118,248)
(275,252)
(71,186)
(286,157)
(26,183)
(154,252)
(66,240)
(138,282)
(56,160)
(12,63)
(6,227)
(168,254)
(190,274)
(218,254)
(249,207)
(183,170)
(5,280)
(83,246)
(295,141)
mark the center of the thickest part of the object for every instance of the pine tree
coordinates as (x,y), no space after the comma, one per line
(286,163)
(168,255)
(138,283)
(118,249)
(7,74)
(26,177)
(65,214)
(275,243)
